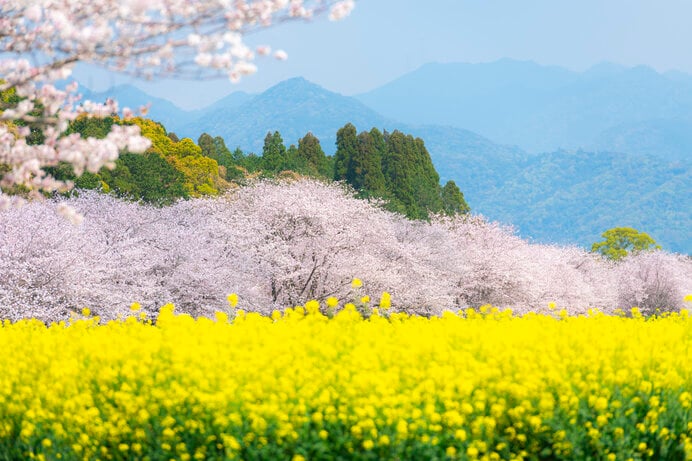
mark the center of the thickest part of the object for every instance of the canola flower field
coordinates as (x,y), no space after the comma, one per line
(301,385)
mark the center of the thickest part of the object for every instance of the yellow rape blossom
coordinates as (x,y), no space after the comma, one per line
(332,302)
(232,300)
(385,301)
(479,384)
(312,307)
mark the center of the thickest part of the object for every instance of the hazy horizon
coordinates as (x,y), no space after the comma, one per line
(385,39)
(104,84)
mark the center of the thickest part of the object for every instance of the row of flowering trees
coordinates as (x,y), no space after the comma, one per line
(278,245)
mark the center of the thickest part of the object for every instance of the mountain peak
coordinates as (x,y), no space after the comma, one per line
(644,71)
(293,107)
(123,90)
(605,68)
(296,82)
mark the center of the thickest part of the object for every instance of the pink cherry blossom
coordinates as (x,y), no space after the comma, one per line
(282,244)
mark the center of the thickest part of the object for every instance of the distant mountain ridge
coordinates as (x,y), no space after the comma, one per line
(564,196)
(546,108)
(130,96)
(171,116)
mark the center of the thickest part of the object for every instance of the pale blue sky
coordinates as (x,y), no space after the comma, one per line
(384,39)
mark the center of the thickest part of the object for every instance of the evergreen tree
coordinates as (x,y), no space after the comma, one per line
(293,161)
(148,177)
(274,153)
(154,179)
(346,149)
(356,167)
(426,181)
(253,162)
(91,127)
(222,151)
(245,163)
(206,143)
(368,174)
(396,167)
(379,143)
(215,148)
(238,156)
(411,181)
(310,150)
(453,201)
(358,160)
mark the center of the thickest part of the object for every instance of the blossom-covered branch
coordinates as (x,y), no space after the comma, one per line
(42,40)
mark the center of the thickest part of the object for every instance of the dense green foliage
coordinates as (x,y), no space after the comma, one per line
(394,167)
(453,199)
(310,157)
(274,157)
(397,168)
(230,163)
(621,241)
(169,170)
(149,176)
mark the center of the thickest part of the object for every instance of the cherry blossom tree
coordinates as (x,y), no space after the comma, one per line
(42,40)
(37,267)
(653,281)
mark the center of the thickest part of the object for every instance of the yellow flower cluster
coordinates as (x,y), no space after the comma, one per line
(299,385)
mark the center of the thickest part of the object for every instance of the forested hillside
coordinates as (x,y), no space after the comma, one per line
(583,193)
(571,197)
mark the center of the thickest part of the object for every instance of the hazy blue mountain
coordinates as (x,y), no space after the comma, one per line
(567,197)
(292,107)
(130,96)
(171,116)
(558,197)
(476,164)
(571,197)
(541,108)
(666,138)
(232,101)
(477,97)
